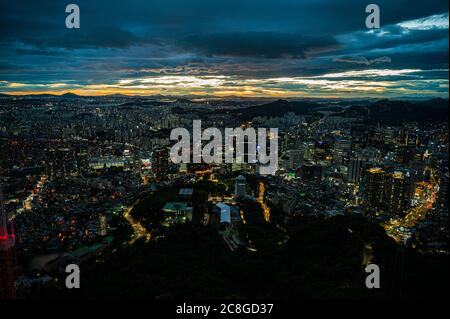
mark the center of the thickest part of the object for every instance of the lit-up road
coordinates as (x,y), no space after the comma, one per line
(417,214)
(138,229)
(261,201)
(410,220)
(27,202)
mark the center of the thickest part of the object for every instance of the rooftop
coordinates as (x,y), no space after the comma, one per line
(175,206)
(186,191)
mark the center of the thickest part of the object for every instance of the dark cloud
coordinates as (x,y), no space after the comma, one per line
(244,38)
(432,60)
(259,44)
(171,19)
(100,37)
(38,52)
(7,67)
(363,60)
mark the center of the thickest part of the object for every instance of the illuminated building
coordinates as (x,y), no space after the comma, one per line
(177,213)
(340,151)
(374,189)
(354,170)
(103,229)
(160,163)
(387,191)
(398,192)
(103,163)
(442,194)
(222,213)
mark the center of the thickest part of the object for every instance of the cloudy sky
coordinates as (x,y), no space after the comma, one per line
(277,48)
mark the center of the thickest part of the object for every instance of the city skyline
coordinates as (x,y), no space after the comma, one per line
(301,49)
(224,150)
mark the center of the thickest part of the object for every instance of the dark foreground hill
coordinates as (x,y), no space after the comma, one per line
(320,258)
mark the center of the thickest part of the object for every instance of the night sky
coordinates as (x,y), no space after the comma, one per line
(276,48)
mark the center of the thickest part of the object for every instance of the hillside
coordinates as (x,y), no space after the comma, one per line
(389,112)
(276,109)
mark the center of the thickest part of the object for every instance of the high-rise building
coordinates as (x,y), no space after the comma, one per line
(374,189)
(160,163)
(398,192)
(442,194)
(240,186)
(103,224)
(341,150)
(354,170)
(7,254)
(388,191)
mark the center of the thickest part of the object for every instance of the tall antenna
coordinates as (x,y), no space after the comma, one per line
(3,230)
(7,237)
(7,254)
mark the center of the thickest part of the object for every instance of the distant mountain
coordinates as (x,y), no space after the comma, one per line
(277,109)
(116,95)
(70,95)
(36,96)
(437,103)
(184,100)
(144,103)
(390,112)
